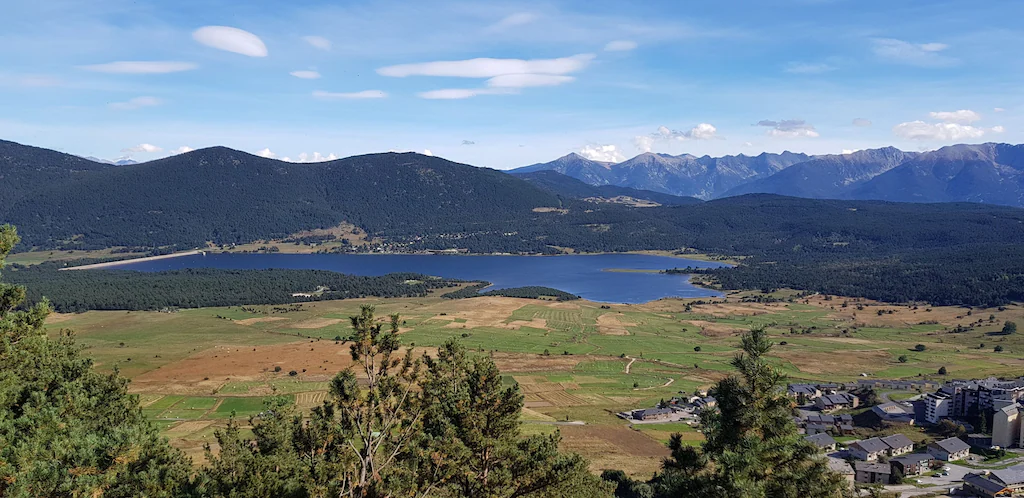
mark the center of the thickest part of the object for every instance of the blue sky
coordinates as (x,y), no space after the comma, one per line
(504,84)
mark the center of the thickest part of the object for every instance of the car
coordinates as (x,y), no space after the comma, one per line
(947,469)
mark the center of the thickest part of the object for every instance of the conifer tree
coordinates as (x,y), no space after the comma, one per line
(66,430)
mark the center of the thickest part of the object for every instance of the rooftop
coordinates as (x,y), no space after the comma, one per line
(872,445)
(952,445)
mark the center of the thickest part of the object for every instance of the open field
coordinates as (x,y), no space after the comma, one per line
(193,368)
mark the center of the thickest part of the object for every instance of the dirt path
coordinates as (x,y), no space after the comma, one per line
(631,360)
(132,260)
(669,383)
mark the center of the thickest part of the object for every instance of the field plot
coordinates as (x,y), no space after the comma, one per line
(194,368)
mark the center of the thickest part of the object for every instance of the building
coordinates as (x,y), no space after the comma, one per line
(652,414)
(815,428)
(1012,478)
(980,440)
(910,465)
(832,402)
(808,391)
(981,485)
(949,450)
(823,441)
(937,406)
(843,468)
(898,445)
(868,450)
(894,413)
(1006,426)
(974,396)
(872,473)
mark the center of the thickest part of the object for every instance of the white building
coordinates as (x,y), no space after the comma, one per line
(937,406)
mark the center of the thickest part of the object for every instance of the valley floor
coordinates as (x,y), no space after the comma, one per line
(578,362)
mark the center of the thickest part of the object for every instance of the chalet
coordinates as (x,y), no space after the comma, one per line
(981,485)
(873,473)
(843,468)
(652,414)
(823,441)
(910,465)
(832,402)
(898,445)
(868,450)
(1012,478)
(949,450)
(894,413)
(808,391)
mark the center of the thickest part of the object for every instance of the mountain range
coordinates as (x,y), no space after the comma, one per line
(989,173)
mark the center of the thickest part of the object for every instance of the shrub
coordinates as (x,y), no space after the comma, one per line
(696,348)
(277,368)
(942,370)
(920,347)
(998,349)
(292,373)
(903,358)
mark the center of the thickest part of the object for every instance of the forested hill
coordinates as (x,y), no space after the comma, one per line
(572,188)
(227,196)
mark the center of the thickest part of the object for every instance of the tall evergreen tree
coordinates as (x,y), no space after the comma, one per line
(66,430)
(472,425)
(752,448)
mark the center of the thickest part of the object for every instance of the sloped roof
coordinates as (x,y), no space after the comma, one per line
(897,441)
(878,468)
(840,466)
(1008,477)
(982,482)
(872,445)
(821,439)
(952,445)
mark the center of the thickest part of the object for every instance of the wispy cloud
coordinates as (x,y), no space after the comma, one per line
(489,68)
(603,153)
(913,54)
(181,150)
(527,80)
(463,93)
(513,20)
(861,122)
(306,75)
(365,94)
(789,128)
(620,46)
(919,130)
(140,67)
(231,40)
(136,103)
(147,148)
(318,42)
(703,131)
(808,68)
(963,116)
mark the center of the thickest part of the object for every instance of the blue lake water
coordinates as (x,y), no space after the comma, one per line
(584,275)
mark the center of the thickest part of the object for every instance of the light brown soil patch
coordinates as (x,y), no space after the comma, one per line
(316,323)
(712,329)
(186,428)
(536,323)
(58,317)
(517,362)
(250,321)
(549,210)
(849,340)
(310,400)
(206,371)
(487,311)
(614,447)
(612,324)
(835,362)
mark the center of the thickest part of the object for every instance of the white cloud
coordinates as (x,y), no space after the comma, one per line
(703,131)
(849,151)
(365,94)
(789,128)
(181,150)
(512,20)
(489,68)
(620,46)
(231,40)
(921,54)
(136,103)
(527,80)
(919,130)
(463,93)
(998,109)
(748,144)
(808,68)
(468,142)
(997,129)
(963,116)
(603,153)
(148,148)
(318,42)
(427,152)
(315,157)
(306,75)
(267,153)
(140,67)
(861,122)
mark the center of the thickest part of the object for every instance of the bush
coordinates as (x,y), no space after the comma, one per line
(920,347)
(998,349)
(277,368)
(903,358)
(292,373)
(696,348)
(942,370)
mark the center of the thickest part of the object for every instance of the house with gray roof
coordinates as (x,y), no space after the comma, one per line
(949,450)
(832,402)
(910,465)
(652,413)
(898,444)
(868,450)
(823,441)
(982,485)
(873,473)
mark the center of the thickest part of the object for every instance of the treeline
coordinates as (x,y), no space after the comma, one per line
(82,290)
(528,292)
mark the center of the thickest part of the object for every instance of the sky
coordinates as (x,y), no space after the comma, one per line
(505,84)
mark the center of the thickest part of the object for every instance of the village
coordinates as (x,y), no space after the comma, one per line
(908,438)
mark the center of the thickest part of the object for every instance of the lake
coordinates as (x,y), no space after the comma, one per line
(584,275)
